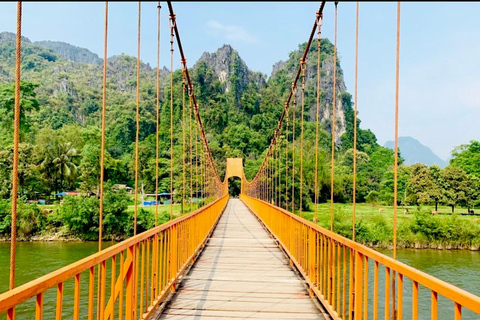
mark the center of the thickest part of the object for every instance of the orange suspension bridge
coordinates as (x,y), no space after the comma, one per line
(247,258)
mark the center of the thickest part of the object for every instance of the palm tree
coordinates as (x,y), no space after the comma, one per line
(59,163)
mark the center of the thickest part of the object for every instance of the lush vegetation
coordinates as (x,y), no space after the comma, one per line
(418,229)
(60,149)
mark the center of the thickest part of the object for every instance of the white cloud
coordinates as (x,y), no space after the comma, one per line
(230,32)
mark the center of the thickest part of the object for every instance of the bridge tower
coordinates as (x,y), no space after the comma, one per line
(235,169)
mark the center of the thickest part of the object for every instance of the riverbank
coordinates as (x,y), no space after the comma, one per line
(417,229)
(59,237)
(387,246)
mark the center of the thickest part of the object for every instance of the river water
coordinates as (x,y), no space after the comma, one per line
(460,268)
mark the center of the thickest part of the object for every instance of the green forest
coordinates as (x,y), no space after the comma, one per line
(60,141)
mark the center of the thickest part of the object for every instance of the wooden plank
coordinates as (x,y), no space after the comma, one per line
(241,274)
(177,314)
(291,297)
(254,306)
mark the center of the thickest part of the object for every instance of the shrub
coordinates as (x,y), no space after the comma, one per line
(372,197)
(145,220)
(374,232)
(80,215)
(5,217)
(115,216)
(31,220)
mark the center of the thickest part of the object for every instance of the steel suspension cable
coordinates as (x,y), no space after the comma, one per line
(355,128)
(190,135)
(137,120)
(275,173)
(267,176)
(16,140)
(334,98)
(157,148)
(102,148)
(172,23)
(279,174)
(320,21)
(294,88)
(265,185)
(202,183)
(395,173)
(303,63)
(270,180)
(352,259)
(204,176)
(271,171)
(196,161)
(272,174)
(102,157)
(184,129)
(137,116)
(275,177)
(286,159)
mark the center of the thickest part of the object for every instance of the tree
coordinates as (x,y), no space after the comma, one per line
(467,157)
(387,185)
(474,192)
(455,185)
(28,103)
(28,176)
(437,188)
(419,184)
(59,164)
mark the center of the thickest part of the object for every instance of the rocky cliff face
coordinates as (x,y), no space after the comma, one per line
(70,52)
(286,70)
(231,70)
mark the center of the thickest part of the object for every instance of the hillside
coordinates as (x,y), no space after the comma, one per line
(413,151)
(70,52)
(60,139)
(239,107)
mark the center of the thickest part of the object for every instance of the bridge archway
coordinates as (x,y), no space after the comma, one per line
(235,169)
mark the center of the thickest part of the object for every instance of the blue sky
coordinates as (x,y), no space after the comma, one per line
(440,51)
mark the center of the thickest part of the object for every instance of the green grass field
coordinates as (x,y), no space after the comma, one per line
(365,211)
(418,228)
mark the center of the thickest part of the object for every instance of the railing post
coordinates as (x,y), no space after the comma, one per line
(358,285)
(173,255)
(129,310)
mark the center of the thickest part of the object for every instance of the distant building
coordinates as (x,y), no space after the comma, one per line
(124,187)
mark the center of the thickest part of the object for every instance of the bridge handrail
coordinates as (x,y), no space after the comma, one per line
(449,291)
(12,298)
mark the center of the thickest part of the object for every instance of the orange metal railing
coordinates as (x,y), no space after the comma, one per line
(135,275)
(339,272)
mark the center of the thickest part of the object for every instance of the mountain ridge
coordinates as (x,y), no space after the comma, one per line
(413,151)
(71,52)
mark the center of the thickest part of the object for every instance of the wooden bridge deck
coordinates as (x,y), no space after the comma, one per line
(241,274)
